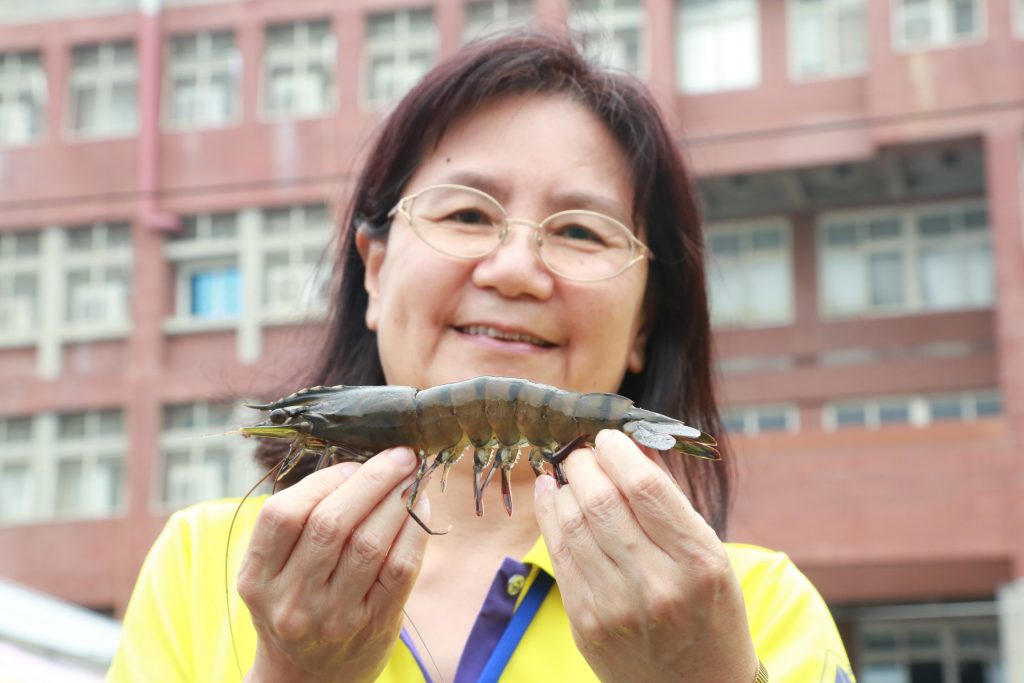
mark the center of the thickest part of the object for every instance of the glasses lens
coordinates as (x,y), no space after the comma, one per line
(586,246)
(457,221)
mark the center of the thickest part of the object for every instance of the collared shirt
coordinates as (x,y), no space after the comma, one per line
(176,626)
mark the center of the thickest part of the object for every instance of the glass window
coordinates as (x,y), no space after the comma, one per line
(754,420)
(400,48)
(89,471)
(97,278)
(22,98)
(299,69)
(919,260)
(295,274)
(203,73)
(205,254)
(491,16)
(935,23)
(750,274)
(214,291)
(17,483)
(20,268)
(923,650)
(103,90)
(196,467)
(612,32)
(719,45)
(871,413)
(827,38)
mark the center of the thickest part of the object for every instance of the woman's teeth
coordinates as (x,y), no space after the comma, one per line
(483,331)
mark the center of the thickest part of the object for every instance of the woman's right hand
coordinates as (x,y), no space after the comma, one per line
(331,563)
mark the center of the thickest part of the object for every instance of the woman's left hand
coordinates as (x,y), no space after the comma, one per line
(646,583)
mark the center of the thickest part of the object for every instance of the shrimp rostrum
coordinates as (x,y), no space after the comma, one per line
(495,416)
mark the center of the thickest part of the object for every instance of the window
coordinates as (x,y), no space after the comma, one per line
(491,16)
(922,259)
(930,649)
(826,38)
(17,483)
(22,97)
(613,32)
(299,69)
(754,420)
(98,262)
(719,45)
(400,47)
(871,413)
(1018,17)
(20,265)
(103,89)
(750,274)
(294,277)
(196,467)
(89,463)
(202,79)
(935,23)
(208,279)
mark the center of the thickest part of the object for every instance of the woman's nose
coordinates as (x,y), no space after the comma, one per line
(514,269)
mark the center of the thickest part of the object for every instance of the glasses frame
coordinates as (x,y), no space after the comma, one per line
(638,250)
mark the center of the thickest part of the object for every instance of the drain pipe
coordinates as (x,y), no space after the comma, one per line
(150,79)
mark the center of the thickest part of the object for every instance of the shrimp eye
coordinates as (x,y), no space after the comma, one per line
(278,416)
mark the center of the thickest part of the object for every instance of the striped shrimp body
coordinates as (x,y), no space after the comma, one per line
(495,416)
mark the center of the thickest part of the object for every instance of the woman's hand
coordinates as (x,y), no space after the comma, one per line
(330,565)
(646,583)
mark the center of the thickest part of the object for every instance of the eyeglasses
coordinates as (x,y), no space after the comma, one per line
(463,222)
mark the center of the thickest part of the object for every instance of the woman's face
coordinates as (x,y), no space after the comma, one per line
(439,319)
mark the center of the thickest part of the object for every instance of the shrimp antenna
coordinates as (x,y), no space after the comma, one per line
(227,552)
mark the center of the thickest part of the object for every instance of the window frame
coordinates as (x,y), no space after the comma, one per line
(744,230)
(97,261)
(22,454)
(750,416)
(204,66)
(16,81)
(945,37)
(301,236)
(503,18)
(89,449)
(401,45)
(104,76)
(910,246)
(600,27)
(242,471)
(681,41)
(300,58)
(832,68)
(918,406)
(189,254)
(12,265)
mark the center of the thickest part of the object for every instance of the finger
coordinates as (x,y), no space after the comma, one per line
(402,565)
(610,521)
(571,581)
(329,524)
(660,507)
(370,543)
(283,517)
(577,538)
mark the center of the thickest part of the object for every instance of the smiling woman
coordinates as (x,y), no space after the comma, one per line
(522,214)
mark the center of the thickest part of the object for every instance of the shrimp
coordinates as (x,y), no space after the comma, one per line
(495,416)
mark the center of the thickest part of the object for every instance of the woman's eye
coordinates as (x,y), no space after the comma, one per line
(579,232)
(469,217)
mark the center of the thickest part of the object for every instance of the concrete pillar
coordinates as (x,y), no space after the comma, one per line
(1010,605)
(51,303)
(251,269)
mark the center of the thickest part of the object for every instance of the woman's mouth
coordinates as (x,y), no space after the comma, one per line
(504,335)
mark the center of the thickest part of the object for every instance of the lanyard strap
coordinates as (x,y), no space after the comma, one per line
(516,628)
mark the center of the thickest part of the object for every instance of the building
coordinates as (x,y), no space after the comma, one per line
(167,182)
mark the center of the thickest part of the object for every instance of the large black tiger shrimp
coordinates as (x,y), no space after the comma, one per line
(495,415)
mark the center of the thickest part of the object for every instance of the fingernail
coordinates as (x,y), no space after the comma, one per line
(348,469)
(603,436)
(403,456)
(543,484)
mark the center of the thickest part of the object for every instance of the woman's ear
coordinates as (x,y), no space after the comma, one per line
(638,349)
(372,251)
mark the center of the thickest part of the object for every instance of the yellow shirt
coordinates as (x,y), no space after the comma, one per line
(176,629)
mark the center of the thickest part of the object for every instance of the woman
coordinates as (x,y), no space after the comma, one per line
(505,133)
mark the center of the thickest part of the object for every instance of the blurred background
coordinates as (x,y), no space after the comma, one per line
(170,174)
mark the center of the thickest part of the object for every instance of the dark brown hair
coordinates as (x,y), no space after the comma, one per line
(677,378)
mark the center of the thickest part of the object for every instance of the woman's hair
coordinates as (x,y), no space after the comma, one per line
(676,379)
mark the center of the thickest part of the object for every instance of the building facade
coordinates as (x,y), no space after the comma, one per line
(170,176)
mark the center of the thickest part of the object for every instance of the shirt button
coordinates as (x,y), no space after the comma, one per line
(515,584)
